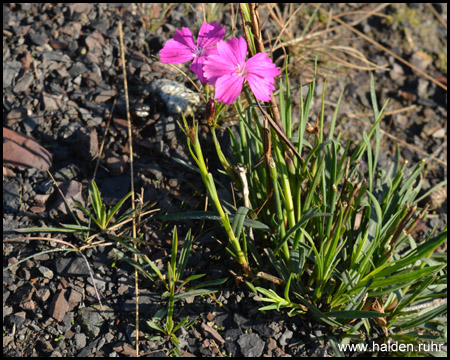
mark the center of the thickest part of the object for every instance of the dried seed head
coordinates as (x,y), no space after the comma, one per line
(288,155)
(191,134)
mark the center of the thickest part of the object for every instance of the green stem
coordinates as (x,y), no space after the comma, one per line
(208,180)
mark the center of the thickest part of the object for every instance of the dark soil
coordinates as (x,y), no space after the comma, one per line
(63,86)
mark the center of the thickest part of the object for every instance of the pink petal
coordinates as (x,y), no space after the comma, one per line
(175,52)
(216,66)
(210,34)
(262,65)
(184,36)
(260,72)
(261,87)
(234,50)
(197,67)
(228,88)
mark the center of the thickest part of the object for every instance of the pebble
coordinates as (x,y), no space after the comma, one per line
(24,83)
(59,306)
(71,267)
(177,98)
(285,337)
(91,320)
(46,272)
(251,345)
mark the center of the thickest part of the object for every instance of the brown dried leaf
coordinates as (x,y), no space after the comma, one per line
(373,304)
(20,150)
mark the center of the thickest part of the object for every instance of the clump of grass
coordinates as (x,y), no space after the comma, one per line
(341,247)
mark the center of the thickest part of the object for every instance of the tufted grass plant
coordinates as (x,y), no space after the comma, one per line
(342,246)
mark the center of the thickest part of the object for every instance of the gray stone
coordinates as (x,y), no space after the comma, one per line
(11,196)
(80,341)
(285,337)
(91,320)
(177,98)
(71,267)
(10,71)
(251,345)
(24,83)
(46,272)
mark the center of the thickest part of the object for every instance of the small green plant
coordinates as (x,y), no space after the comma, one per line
(101,216)
(173,283)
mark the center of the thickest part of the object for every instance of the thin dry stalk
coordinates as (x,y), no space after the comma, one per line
(435,13)
(130,139)
(396,139)
(399,58)
(286,24)
(102,145)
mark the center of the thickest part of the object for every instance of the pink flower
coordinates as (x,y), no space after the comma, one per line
(182,48)
(228,70)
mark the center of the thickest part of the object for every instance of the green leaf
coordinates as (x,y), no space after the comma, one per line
(96,200)
(116,208)
(184,321)
(155,326)
(197,292)
(286,289)
(400,278)
(355,314)
(173,258)
(68,229)
(122,256)
(238,221)
(215,282)
(424,317)
(212,215)
(311,213)
(184,255)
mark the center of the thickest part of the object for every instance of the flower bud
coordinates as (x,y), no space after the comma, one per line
(210,112)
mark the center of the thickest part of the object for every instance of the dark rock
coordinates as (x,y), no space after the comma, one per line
(17,319)
(38,38)
(59,306)
(71,191)
(251,345)
(71,267)
(11,196)
(88,143)
(49,56)
(91,320)
(24,83)
(51,102)
(114,189)
(11,70)
(148,302)
(16,115)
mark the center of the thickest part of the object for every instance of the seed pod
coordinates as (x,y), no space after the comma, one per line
(288,155)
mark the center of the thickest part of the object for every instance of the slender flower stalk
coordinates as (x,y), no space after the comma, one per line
(197,154)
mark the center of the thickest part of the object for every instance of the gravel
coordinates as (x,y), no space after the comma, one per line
(62,85)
